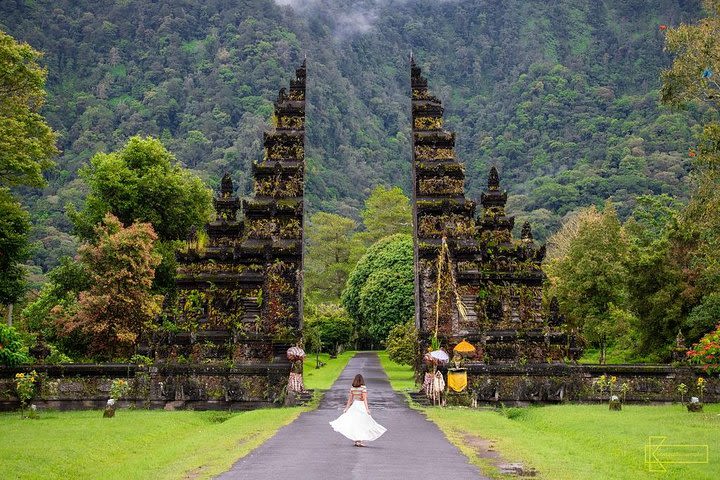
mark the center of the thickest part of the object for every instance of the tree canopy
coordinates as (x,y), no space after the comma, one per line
(119,304)
(14,248)
(27,143)
(332,251)
(379,291)
(143,182)
(387,212)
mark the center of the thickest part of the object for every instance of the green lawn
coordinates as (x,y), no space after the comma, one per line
(401,377)
(142,444)
(136,444)
(322,378)
(569,442)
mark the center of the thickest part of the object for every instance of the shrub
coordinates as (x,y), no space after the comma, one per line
(402,343)
(119,388)
(57,357)
(11,347)
(333,324)
(707,352)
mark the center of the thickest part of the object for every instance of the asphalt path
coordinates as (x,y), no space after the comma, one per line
(309,449)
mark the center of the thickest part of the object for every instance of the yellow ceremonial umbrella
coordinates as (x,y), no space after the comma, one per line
(464,348)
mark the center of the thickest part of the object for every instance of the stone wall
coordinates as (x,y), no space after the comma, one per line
(76,386)
(555,383)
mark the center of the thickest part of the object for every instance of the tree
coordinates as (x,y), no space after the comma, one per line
(14,249)
(696,65)
(143,182)
(119,304)
(689,265)
(379,290)
(58,299)
(333,324)
(402,343)
(332,251)
(387,212)
(27,143)
(587,270)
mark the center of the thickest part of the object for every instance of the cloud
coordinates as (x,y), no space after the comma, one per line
(359,19)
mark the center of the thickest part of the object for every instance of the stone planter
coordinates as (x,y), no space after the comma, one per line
(109,411)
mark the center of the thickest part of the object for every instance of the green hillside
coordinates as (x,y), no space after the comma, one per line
(561,95)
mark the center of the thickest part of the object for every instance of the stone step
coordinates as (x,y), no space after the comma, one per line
(298,399)
(420,398)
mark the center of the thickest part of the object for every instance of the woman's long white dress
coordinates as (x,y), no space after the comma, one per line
(356,423)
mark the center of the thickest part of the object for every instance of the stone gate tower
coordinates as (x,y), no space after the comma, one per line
(473,280)
(240,282)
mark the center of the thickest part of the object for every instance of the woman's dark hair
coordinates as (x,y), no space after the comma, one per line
(358,381)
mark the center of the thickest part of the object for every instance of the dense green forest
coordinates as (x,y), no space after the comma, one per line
(562,96)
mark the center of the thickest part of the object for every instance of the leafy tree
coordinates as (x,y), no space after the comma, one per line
(386,298)
(652,218)
(692,78)
(704,317)
(693,74)
(379,290)
(589,275)
(11,347)
(402,343)
(387,212)
(333,324)
(26,141)
(332,251)
(312,339)
(119,304)
(14,248)
(58,299)
(142,182)
(26,145)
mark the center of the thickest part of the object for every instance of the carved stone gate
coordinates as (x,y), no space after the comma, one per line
(473,280)
(240,281)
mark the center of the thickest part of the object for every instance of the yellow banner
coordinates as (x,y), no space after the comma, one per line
(457,381)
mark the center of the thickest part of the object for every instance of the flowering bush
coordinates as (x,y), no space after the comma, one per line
(701,387)
(707,352)
(25,388)
(119,388)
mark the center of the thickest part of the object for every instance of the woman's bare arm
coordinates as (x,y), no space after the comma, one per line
(366,402)
(347,405)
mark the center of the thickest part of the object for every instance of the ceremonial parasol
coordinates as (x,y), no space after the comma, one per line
(439,356)
(295,354)
(464,348)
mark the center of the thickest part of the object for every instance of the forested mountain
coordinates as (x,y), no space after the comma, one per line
(561,95)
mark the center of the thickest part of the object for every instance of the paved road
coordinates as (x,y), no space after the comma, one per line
(309,449)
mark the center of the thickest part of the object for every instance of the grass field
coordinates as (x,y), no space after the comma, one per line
(322,378)
(570,442)
(401,377)
(136,444)
(143,444)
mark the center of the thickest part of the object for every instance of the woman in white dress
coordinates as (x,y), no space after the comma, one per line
(356,423)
